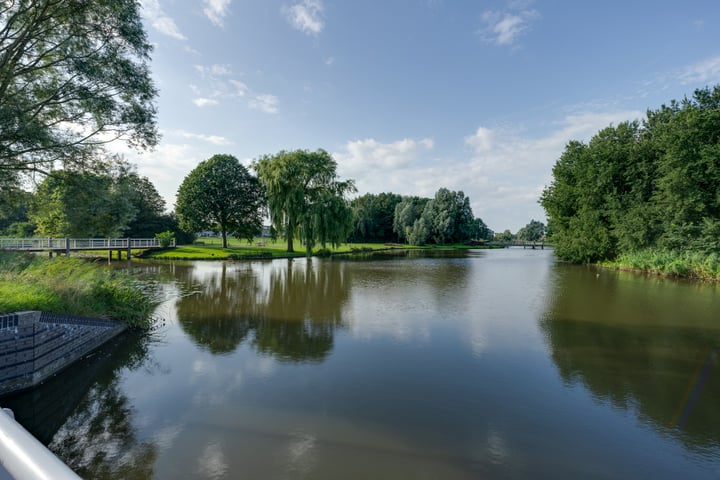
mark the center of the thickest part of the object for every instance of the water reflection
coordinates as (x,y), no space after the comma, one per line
(648,348)
(86,418)
(290,312)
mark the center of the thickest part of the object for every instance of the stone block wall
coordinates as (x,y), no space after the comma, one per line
(36,345)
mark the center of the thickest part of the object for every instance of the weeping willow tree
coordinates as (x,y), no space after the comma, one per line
(305,197)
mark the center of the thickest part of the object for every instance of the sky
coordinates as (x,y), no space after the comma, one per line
(413,95)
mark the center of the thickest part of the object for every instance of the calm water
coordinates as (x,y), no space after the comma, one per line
(467,365)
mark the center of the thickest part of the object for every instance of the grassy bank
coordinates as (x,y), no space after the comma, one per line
(685,264)
(73,286)
(211,249)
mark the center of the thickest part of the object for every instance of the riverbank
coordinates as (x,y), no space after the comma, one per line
(211,249)
(685,264)
(73,286)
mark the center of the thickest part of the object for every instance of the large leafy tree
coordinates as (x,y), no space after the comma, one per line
(74,75)
(305,197)
(221,195)
(447,218)
(373,217)
(81,204)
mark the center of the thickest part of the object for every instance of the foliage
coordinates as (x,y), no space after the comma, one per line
(447,218)
(666,262)
(373,217)
(305,197)
(74,286)
(165,238)
(147,203)
(221,195)
(14,206)
(81,204)
(169,221)
(532,232)
(73,75)
(481,231)
(505,236)
(407,212)
(639,186)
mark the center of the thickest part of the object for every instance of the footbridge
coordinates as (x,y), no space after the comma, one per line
(67,245)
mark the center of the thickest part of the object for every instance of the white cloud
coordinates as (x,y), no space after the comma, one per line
(369,154)
(504,28)
(503,171)
(212,462)
(265,102)
(481,140)
(213,70)
(204,102)
(240,88)
(306,16)
(219,85)
(704,72)
(213,139)
(166,166)
(216,10)
(160,21)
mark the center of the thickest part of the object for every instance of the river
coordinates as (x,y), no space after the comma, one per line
(479,364)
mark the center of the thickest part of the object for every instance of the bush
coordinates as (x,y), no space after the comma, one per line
(166,238)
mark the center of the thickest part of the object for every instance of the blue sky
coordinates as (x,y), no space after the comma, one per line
(413,95)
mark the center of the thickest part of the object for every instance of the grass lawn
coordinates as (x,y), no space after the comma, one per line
(210,248)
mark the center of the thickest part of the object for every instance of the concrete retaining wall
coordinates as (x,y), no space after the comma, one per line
(36,345)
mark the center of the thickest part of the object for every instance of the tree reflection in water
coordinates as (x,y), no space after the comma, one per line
(640,347)
(99,441)
(291,314)
(85,418)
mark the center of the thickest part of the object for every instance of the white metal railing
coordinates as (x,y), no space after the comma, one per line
(48,243)
(23,456)
(32,243)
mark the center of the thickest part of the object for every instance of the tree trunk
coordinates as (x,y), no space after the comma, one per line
(290,232)
(224,237)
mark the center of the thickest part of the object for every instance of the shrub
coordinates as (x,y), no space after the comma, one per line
(165,238)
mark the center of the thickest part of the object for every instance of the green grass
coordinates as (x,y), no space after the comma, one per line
(210,248)
(664,262)
(73,286)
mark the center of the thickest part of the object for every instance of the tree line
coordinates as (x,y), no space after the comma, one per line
(303,197)
(298,191)
(107,202)
(641,185)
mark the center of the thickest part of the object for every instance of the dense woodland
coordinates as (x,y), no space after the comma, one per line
(641,185)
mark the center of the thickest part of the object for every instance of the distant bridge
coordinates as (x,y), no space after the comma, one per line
(538,244)
(528,244)
(66,245)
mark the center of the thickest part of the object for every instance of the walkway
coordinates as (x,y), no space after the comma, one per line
(58,245)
